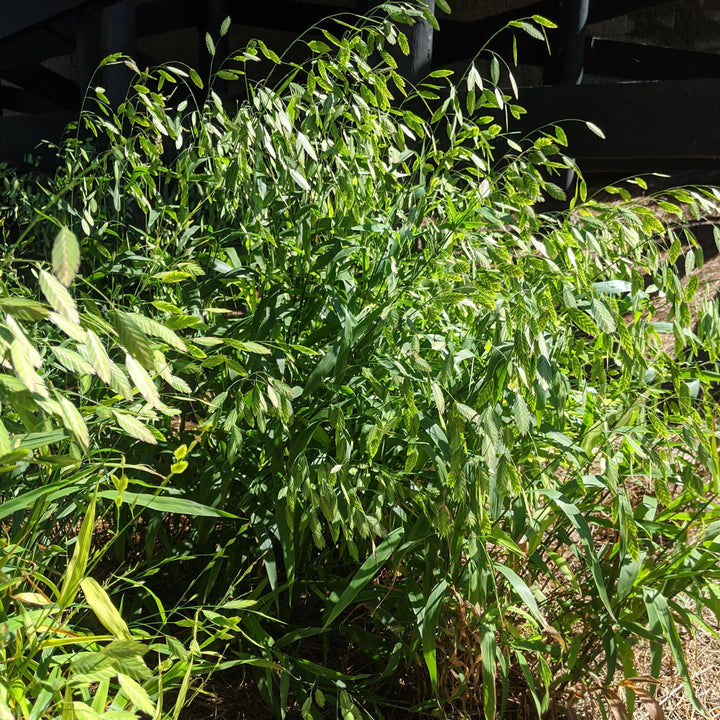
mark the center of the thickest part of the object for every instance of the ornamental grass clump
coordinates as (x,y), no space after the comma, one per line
(346,411)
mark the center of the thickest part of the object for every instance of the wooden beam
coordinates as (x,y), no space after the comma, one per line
(643,121)
(19,134)
(635,61)
(163,16)
(102,31)
(38,44)
(46,84)
(18,16)
(565,64)
(455,43)
(17,100)
(607,9)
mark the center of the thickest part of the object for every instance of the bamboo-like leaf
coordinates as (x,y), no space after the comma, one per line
(489,669)
(143,381)
(65,256)
(303,142)
(97,355)
(58,297)
(32,598)
(427,619)
(576,518)
(166,504)
(73,421)
(127,658)
(101,695)
(366,572)
(101,604)
(522,589)
(299,178)
(76,332)
(133,339)
(133,427)
(656,601)
(136,693)
(78,563)
(156,329)
(27,500)
(73,361)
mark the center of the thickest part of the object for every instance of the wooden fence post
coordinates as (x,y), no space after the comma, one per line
(565,65)
(101,31)
(417,64)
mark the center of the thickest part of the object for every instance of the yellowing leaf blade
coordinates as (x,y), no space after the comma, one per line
(98,357)
(101,604)
(133,427)
(78,562)
(74,421)
(143,381)
(136,693)
(58,297)
(65,256)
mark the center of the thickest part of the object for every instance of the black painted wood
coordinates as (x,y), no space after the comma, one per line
(41,43)
(19,134)
(637,61)
(18,16)
(18,100)
(607,9)
(565,65)
(645,123)
(101,31)
(50,86)
(418,63)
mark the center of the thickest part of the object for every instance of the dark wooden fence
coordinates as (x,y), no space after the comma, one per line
(662,105)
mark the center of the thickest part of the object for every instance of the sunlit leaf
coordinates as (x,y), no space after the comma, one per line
(65,256)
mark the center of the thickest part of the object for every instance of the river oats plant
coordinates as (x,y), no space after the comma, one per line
(316,391)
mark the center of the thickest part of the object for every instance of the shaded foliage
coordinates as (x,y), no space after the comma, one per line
(331,383)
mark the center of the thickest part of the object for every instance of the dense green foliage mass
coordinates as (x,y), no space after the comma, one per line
(315,387)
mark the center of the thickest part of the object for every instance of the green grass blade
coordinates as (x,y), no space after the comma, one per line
(522,589)
(573,514)
(488,648)
(658,603)
(101,604)
(427,618)
(166,504)
(78,563)
(367,572)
